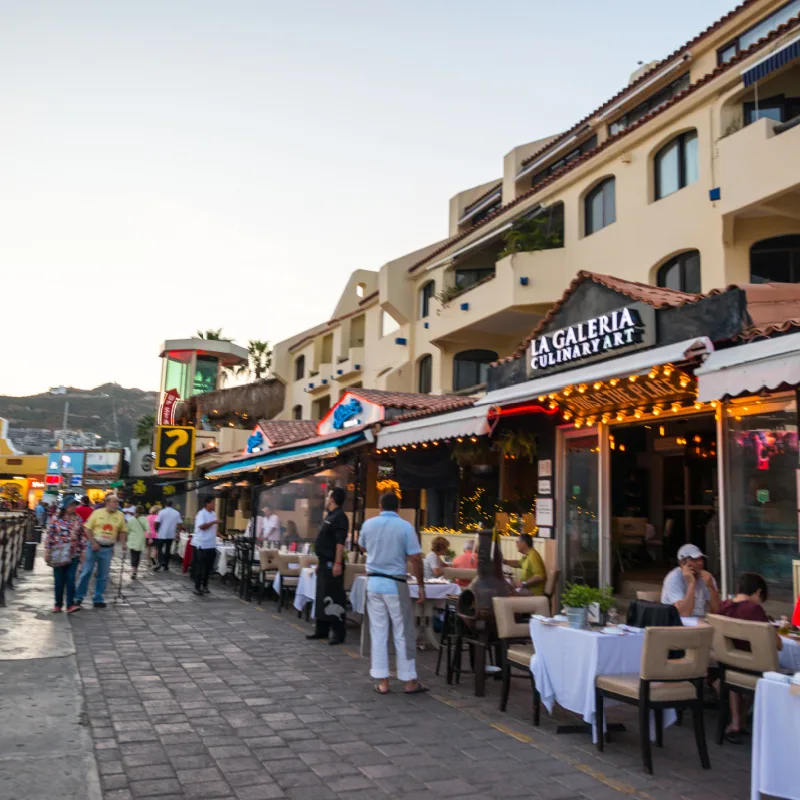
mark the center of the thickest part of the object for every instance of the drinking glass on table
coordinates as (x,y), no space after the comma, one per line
(613,617)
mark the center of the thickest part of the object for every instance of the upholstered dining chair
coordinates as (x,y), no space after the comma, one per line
(744,651)
(269,569)
(662,682)
(515,640)
(289,566)
(650,597)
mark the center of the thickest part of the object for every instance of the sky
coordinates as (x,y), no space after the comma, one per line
(174,165)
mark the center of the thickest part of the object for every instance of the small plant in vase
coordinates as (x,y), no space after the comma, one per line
(576,598)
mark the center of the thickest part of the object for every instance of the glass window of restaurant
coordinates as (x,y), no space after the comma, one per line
(762,461)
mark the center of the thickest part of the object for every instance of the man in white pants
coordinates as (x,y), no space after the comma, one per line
(390,543)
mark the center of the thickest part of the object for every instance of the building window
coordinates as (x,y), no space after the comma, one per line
(471,368)
(319,408)
(758,31)
(681,273)
(776,260)
(466,278)
(297,412)
(780,108)
(425,375)
(600,206)
(653,102)
(676,164)
(388,324)
(426,294)
(299,368)
(762,493)
(576,152)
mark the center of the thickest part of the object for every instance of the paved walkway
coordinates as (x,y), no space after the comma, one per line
(214,698)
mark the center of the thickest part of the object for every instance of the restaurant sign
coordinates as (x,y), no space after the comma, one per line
(600,337)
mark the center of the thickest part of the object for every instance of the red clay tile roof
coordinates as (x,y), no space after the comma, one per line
(654,296)
(769,304)
(455,404)
(280,432)
(480,199)
(722,68)
(412,400)
(765,331)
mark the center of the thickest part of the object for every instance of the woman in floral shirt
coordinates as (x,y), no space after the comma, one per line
(63,550)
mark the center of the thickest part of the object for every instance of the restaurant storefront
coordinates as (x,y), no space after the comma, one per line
(641,462)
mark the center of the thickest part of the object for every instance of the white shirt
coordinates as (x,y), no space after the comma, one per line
(207,539)
(674,590)
(129,512)
(167,521)
(269,528)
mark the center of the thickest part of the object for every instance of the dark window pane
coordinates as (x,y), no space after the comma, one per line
(471,368)
(681,273)
(775,260)
(727,53)
(425,375)
(691,273)
(300,368)
(671,277)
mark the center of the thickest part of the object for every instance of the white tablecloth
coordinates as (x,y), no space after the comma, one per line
(567,661)
(776,741)
(181,543)
(789,657)
(225,552)
(433,591)
(306,590)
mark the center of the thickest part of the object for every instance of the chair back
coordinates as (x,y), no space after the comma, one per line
(650,597)
(661,643)
(307,560)
(351,572)
(551,587)
(269,560)
(454,574)
(506,610)
(728,632)
(289,565)
(643,614)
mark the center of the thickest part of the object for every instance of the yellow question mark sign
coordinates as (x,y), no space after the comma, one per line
(179,439)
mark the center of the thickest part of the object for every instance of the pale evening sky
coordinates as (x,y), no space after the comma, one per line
(169,165)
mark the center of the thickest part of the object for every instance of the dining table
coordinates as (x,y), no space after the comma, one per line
(567,661)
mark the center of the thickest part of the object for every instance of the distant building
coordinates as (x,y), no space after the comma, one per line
(58,390)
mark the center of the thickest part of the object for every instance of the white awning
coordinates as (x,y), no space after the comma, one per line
(472,421)
(634,364)
(749,368)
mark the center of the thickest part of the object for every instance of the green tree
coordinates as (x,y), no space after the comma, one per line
(259,362)
(145,429)
(213,335)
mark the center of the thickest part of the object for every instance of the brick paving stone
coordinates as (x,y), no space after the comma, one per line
(212,698)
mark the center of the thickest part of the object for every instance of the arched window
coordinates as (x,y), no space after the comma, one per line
(471,368)
(682,273)
(776,260)
(425,375)
(299,368)
(600,206)
(297,412)
(676,164)
(425,296)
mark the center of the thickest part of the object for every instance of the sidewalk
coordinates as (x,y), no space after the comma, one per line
(214,698)
(45,748)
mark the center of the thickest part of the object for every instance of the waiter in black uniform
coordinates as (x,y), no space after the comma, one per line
(331,600)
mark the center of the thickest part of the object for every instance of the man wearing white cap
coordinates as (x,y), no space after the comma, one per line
(690,587)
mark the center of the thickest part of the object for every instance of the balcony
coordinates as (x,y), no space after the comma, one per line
(759,170)
(320,379)
(350,365)
(508,305)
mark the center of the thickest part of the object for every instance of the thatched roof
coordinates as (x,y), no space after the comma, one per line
(250,402)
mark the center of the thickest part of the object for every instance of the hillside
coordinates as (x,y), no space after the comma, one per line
(89,410)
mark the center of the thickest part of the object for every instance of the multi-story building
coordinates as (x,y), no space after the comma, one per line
(687,178)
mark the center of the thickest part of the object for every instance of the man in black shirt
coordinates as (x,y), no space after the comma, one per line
(331,599)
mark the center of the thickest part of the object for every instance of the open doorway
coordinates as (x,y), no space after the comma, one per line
(663,495)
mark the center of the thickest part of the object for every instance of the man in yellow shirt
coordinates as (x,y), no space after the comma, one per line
(534,572)
(103,528)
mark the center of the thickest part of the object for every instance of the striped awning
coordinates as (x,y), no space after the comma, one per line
(326,448)
(774,61)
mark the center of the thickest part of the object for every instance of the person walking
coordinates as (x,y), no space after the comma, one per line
(84,509)
(204,540)
(103,529)
(391,543)
(331,599)
(167,523)
(64,550)
(152,535)
(137,538)
(41,514)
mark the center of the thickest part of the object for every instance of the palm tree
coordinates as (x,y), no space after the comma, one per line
(213,335)
(259,362)
(145,428)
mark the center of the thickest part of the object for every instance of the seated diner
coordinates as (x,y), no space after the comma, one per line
(690,587)
(531,565)
(434,564)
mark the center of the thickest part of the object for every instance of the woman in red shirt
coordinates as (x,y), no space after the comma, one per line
(751,593)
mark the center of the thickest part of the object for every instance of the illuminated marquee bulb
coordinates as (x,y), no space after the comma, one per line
(632,378)
(714,404)
(653,372)
(620,416)
(567,392)
(657,410)
(552,405)
(582,388)
(684,381)
(614,381)
(542,398)
(590,421)
(637,413)
(578,423)
(676,407)
(668,370)
(552,396)
(606,418)
(622,448)
(567,415)
(698,405)
(597,385)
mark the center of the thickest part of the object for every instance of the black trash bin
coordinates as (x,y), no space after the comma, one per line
(37,535)
(30,555)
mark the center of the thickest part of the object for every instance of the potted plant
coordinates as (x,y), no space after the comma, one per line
(577,597)
(605,602)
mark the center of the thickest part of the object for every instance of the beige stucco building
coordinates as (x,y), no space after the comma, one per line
(689,177)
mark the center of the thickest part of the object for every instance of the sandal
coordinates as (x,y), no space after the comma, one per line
(378,689)
(420,689)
